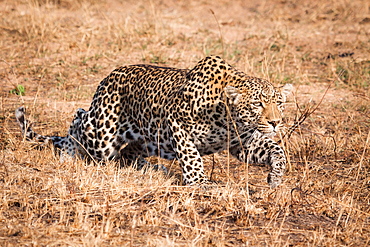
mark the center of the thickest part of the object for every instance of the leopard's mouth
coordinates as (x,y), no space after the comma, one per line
(269,130)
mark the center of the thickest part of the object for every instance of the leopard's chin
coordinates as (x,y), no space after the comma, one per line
(269,134)
(266,129)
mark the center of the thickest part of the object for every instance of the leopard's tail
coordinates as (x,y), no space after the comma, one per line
(30,135)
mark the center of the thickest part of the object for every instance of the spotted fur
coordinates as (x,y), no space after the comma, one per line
(142,110)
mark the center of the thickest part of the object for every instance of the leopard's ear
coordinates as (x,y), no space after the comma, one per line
(286,90)
(233,94)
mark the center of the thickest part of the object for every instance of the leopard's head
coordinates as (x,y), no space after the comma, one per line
(257,103)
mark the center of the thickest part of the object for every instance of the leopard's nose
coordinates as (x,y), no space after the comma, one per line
(274,123)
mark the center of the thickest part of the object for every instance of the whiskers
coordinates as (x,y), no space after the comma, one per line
(270,130)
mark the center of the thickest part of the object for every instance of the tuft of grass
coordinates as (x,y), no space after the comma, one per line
(18,90)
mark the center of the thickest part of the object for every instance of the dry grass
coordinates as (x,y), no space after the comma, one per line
(59,50)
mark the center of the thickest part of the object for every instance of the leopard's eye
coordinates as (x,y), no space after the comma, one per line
(257,104)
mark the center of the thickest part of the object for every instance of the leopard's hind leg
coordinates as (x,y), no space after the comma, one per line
(134,154)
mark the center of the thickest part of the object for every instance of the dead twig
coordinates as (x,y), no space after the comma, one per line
(305,113)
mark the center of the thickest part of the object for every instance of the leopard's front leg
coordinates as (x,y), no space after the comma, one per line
(259,149)
(188,156)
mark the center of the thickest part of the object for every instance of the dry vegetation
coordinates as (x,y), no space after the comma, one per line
(59,50)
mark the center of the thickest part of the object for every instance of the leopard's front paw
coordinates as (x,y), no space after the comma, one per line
(206,184)
(277,171)
(198,180)
(274,180)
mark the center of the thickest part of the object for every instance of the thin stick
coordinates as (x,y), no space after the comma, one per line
(363,155)
(306,113)
(219,29)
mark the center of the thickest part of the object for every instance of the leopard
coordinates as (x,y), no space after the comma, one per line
(145,110)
